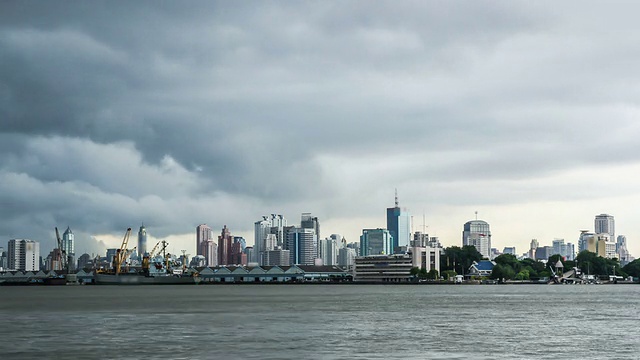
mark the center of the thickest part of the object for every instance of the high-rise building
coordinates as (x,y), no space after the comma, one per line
(274,225)
(203,234)
(375,242)
(346,258)
(84,261)
(238,255)
(224,246)
(240,240)
(533,246)
(310,222)
(605,224)
(583,241)
(302,245)
(399,226)
(276,257)
(4,263)
(68,246)
(477,233)
(68,242)
(510,250)
(210,249)
(248,251)
(622,251)
(328,250)
(355,246)
(142,240)
(23,255)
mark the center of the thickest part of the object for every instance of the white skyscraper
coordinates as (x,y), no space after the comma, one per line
(23,255)
(477,233)
(328,251)
(268,225)
(68,242)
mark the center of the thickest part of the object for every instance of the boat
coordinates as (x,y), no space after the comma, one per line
(141,279)
(156,270)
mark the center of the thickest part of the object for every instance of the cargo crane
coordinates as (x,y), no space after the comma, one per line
(121,254)
(62,254)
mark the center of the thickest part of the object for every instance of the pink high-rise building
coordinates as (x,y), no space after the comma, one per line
(203,234)
(224,247)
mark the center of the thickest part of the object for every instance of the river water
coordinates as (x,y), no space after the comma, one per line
(320,322)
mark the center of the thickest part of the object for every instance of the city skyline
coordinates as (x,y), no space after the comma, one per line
(217,114)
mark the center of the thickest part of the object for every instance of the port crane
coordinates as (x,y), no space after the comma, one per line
(122,253)
(61,253)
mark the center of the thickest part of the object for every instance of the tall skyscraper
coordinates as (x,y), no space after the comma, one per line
(328,251)
(142,240)
(23,255)
(375,242)
(399,225)
(533,246)
(203,234)
(68,244)
(210,249)
(310,222)
(477,233)
(274,225)
(302,246)
(224,246)
(621,249)
(605,224)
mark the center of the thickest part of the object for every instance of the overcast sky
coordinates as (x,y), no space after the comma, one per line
(180,113)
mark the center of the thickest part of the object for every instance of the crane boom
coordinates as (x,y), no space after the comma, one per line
(62,252)
(121,254)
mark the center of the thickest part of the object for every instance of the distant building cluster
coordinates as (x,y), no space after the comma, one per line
(381,252)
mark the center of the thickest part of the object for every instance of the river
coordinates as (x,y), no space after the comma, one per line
(320,322)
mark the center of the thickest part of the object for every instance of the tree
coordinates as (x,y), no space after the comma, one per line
(632,268)
(459,259)
(432,274)
(448,274)
(414,271)
(502,272)
(522,275)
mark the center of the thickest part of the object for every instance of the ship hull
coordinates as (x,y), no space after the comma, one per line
(135,279)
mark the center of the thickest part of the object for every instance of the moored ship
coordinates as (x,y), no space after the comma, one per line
(156,270)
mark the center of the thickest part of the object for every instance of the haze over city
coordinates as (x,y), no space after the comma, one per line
(176,114)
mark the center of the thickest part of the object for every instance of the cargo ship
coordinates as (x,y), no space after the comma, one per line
(156,269)
(141,279)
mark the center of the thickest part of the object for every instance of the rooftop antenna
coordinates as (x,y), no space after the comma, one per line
(396,197)
(476,215)
(424,224)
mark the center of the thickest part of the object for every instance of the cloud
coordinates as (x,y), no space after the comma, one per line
(114,113)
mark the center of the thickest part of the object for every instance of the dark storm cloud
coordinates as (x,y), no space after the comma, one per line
(116,111)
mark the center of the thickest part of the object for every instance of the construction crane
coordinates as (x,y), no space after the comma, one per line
(121,256)
(153,251)
(61,252)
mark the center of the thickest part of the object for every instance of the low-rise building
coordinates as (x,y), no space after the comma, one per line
(384,268)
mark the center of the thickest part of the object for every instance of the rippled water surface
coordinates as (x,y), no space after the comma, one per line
(320,322)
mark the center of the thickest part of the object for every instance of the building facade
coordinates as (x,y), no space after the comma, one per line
(310,222)
(203,234)
(302,244)
(23,255)
(142,240)
(376,242)
(605,224)
(399,226)
(224,246)
(478,234)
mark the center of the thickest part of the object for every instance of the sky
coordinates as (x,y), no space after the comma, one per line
(173,114)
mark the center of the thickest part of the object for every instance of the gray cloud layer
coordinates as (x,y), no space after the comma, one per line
(175,113)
